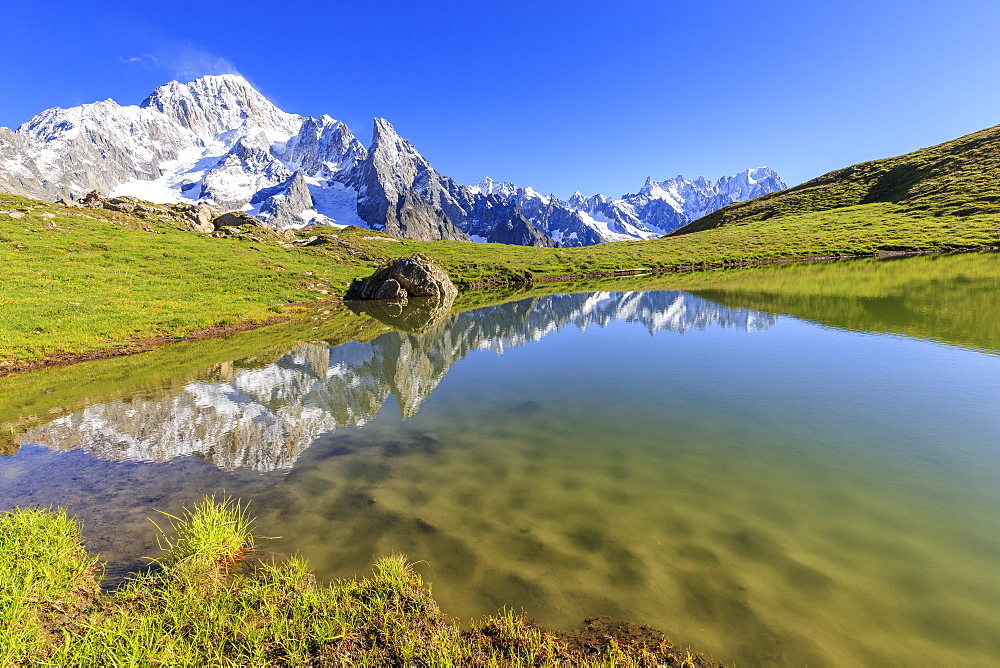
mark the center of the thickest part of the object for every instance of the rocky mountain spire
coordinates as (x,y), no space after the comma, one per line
(400,193)
(284,204)
(323,147)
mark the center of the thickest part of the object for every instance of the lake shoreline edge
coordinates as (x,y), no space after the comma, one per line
(192,607)
(140,345)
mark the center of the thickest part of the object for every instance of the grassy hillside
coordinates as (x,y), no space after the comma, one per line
(98,282)
(957,179)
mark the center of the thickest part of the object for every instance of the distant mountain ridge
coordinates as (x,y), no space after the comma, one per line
(218,140)
(658,207)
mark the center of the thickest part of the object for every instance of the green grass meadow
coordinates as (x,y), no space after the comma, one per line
(77,281)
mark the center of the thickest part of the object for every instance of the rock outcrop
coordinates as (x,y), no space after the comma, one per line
(246,226)
(236,219)
(404,278)
(400,193)
(198,217)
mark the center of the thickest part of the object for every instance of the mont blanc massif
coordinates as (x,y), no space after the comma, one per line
(218,140)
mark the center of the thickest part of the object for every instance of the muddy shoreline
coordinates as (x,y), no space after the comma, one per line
(144,344)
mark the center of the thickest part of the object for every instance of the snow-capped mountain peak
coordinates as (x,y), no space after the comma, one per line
(488,186)
(217,139)
(213,105)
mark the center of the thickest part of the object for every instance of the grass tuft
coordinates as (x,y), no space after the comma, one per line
(46,581)
(194,613)
(214,533)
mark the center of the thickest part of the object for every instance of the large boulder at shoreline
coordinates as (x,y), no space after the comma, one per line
(403,278)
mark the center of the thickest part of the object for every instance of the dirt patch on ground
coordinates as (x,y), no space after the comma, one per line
(599,635)
(600,641)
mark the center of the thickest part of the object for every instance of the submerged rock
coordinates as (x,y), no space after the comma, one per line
(403,278)
(416,316)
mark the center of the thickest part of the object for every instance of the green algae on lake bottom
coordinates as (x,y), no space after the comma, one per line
(764,489)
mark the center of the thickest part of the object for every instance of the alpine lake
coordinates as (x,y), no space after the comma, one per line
(785,465)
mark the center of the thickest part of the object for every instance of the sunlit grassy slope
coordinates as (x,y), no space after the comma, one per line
(81,280)
(85,279)
(957,181)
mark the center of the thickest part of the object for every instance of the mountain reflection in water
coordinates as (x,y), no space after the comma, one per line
(264,418)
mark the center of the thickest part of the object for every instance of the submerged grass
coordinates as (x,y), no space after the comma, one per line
(207,607)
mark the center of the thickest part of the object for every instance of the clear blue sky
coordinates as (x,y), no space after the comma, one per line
(560,96)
